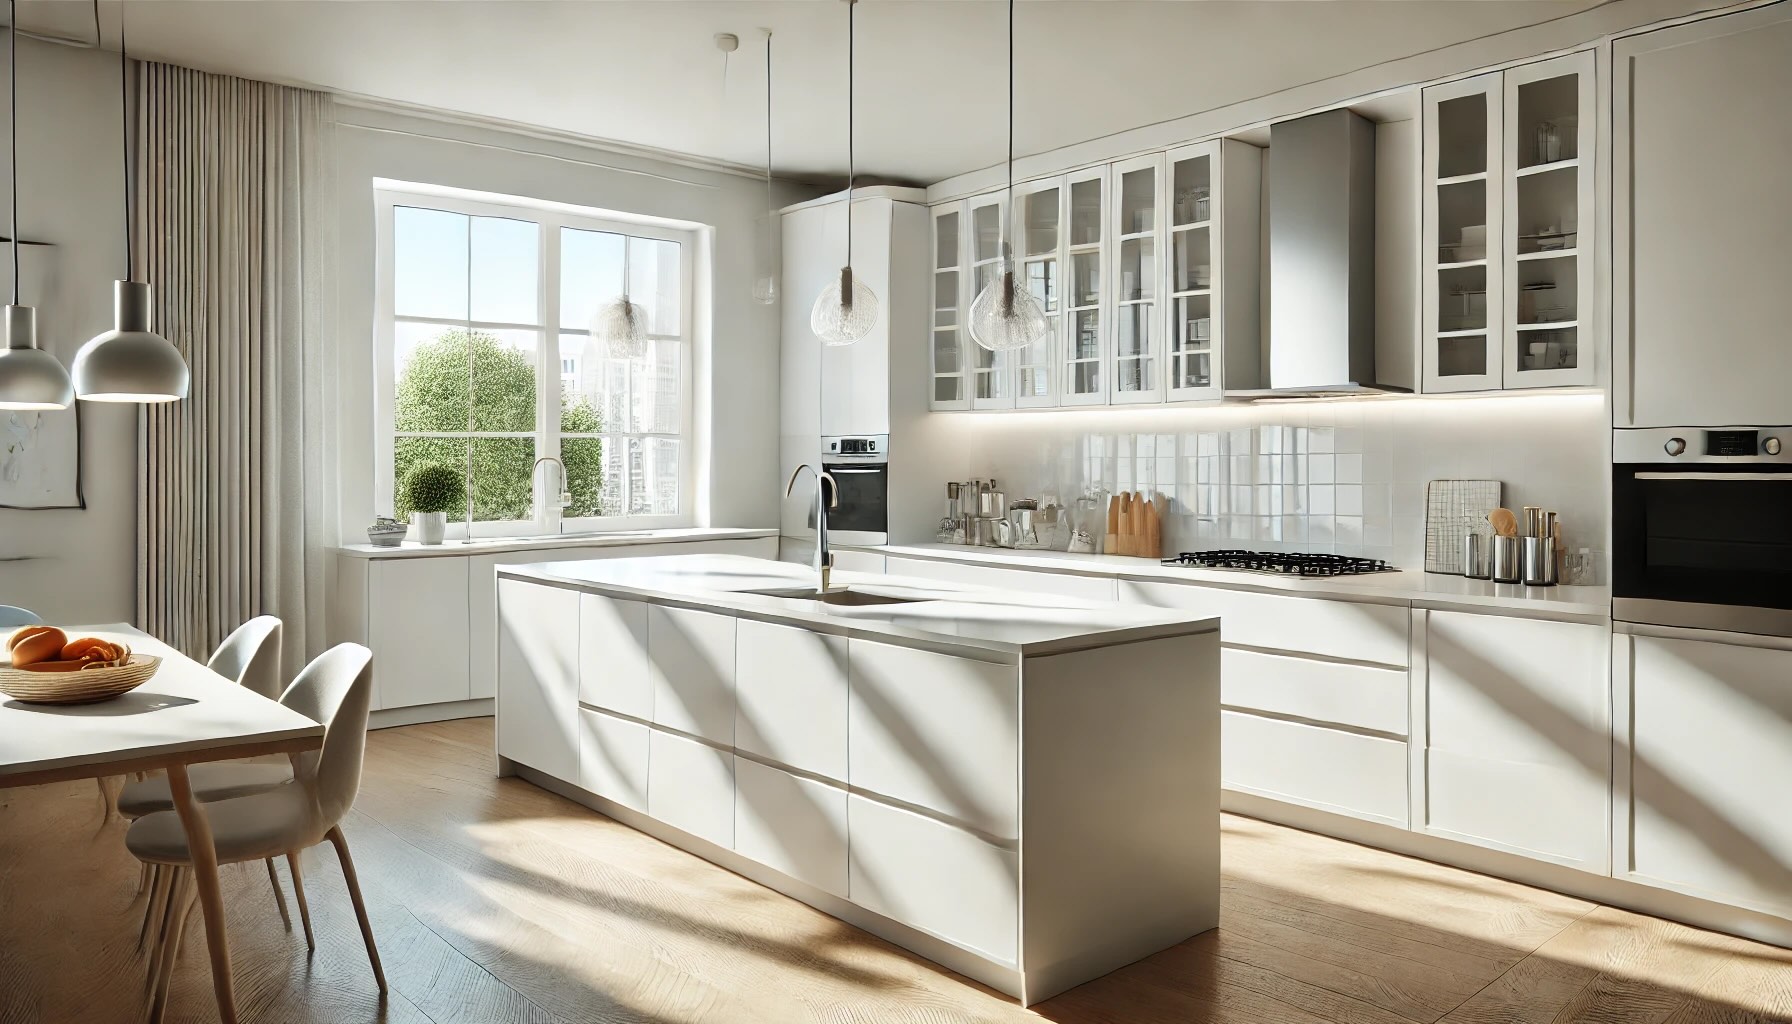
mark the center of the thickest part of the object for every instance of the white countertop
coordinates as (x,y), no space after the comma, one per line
(548,542)
(944,614)
(1425,588)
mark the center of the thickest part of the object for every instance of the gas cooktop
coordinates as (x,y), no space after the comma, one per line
(1280,563)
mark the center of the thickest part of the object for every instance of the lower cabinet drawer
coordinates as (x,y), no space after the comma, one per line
(932,876)
(1362,696)
(690,786)
(613,758)
(1342,772)
(795,825)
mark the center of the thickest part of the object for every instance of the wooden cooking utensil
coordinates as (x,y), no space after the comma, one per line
(1112,544)
(1127,523)
(1154,538)
(1505,524)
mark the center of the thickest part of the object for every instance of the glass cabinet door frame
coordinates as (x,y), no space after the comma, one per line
(1581,168)
(1001,369)
(1152,391)
(1432,337)
(1214,226)
(960,304)
(1022,259)
(1103,307)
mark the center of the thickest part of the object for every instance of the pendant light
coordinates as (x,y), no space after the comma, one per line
(1005,316)
(765,286)
(129,363)
(620,325)
(30,378)
(846,309)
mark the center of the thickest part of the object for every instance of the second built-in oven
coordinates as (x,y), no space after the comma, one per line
(1702,528)
(860,469)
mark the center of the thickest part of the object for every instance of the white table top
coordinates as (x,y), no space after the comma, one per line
(186,713)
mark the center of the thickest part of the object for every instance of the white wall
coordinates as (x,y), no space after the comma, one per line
(74,565)
(740,431)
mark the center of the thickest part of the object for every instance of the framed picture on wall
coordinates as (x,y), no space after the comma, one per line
(40,459)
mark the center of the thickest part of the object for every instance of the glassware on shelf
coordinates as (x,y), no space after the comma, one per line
(1580,568)
(1549,142)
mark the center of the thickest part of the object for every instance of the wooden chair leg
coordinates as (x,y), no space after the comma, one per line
(142,879)
(176,886)
(279,894)
(181,908)
(340,841)
(152,908)
(298,891)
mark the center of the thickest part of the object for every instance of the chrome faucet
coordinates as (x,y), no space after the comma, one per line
(827,496)
(565,498)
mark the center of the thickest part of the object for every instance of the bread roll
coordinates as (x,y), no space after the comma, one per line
(35,644)
(90,649)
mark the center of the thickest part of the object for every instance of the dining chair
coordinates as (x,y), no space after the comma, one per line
(13,615)
(336,689)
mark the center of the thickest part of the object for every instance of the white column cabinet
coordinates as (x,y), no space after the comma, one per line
(538,677)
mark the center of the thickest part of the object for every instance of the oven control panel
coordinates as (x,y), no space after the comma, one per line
(1725,445)
(1732,443)
(866,447)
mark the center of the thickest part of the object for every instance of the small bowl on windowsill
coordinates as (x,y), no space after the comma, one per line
(386,532)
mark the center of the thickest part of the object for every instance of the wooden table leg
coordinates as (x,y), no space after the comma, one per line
(205,877)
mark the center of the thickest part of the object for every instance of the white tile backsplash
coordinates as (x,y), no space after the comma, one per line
(1345,477)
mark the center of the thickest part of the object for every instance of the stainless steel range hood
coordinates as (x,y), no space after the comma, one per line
(1322,255)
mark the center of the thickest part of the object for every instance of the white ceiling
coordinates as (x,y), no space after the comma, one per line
(931,73)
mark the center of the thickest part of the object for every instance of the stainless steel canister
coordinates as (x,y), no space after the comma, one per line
(1506,560)
(1477,556)
(1540,561)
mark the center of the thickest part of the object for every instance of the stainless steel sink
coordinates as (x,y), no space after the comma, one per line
(845,597)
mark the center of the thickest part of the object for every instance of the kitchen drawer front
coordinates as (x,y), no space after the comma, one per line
(692,655)
(937,731)
(1030,581)
(1343,772)
(1547,811)
(932,876)
(1351,630)
(613,665)
(795,825)
(690,785)
(1361,696)
(790,696)
(613,758)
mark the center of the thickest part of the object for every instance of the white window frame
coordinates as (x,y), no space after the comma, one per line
(550,218)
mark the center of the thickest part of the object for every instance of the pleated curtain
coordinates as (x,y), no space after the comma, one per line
(233,182)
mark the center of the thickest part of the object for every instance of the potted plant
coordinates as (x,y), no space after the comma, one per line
(432,490)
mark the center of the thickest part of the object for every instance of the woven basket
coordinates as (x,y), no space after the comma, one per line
(87,686)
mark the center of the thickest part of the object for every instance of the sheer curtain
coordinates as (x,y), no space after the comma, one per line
(234,183)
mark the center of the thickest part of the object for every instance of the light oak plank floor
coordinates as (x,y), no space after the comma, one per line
(494,901)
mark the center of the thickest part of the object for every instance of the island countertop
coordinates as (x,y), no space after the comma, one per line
(937,614)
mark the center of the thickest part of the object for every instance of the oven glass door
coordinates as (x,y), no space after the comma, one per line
(1717,535)
(863,491)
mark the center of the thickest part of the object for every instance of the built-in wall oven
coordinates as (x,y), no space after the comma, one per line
(1702,528)
(860,468)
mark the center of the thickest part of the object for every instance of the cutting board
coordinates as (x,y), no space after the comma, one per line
(1450,506)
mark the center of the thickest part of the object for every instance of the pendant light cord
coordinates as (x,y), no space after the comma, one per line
(852,7)
(124,134)
(768,135)
(12,147)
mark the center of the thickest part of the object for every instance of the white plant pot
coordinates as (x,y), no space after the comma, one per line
(430,526)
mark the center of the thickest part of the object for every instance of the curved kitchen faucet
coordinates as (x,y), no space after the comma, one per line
(827,495)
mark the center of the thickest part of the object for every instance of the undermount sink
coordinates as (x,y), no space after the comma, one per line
(844,596)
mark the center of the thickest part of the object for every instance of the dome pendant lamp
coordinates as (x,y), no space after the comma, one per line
(30,378)
(847,309)
(1005,316)
(129,363)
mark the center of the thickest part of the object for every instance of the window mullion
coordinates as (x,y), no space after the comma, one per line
(548,393)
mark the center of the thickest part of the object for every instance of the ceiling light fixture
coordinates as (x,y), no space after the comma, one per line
(129,363)
(30,378)
(620,325)
(846,310)
(765,286)
(1005,316)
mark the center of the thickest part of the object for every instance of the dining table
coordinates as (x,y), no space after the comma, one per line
(184,714)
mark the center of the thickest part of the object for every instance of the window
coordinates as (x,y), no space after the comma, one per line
(485,361)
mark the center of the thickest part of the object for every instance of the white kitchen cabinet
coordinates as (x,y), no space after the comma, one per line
(1710,767)
(1213,206)
(791,696)
(1517,753)
(1328,769)
(1701,217)
(950,389)
(793,824)
(1349,630)
(937,731)
(614,669)
(692,670)
(1039,268)
(613,756)
(690,786)
(417,619)
(538,676)
(1088,588)
(1135,366)
(992,373)
(1360,696)
(935,877)
(1463,213)
(1088,331)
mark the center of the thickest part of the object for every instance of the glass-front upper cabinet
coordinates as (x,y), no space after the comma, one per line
(1463,208)
(1136,369)
(992,373)
(949,390)
(1548,248)
(1212,196)
(1039,266)
(1083,346)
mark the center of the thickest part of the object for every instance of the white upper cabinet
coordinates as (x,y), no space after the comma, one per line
(1039,264)
(1136,369)
(1508,204)
(992,373)
(949,389)
(1213,212)
(1083,348)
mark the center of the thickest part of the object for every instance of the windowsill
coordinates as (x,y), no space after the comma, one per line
(546,542)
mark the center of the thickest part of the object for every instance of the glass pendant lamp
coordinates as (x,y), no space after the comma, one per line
(30,378)
(847,308)
(765,285)
(1005,316)
(620,325)
(130,362)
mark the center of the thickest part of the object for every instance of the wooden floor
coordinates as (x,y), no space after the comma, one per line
(495,902)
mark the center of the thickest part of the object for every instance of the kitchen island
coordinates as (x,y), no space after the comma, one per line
(1024,788)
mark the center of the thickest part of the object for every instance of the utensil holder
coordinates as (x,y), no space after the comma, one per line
(1540,561)
(1507,559)
(1477,556)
